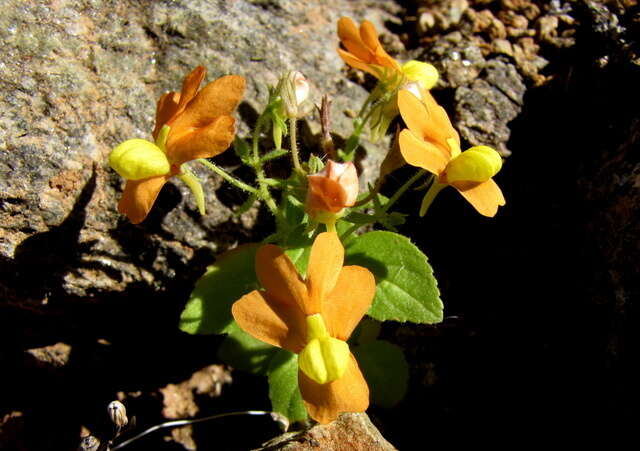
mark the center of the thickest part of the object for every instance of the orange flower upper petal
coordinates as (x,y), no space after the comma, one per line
(280,279)
(363,48)
(268,319)
(190,86)
(167,108)
(485,197)
(325,264)
(218,98)
(350,38)
(138,197)
(173,103)
(348,302)
(324,402)
(205,142)
(422,154)
(426,119)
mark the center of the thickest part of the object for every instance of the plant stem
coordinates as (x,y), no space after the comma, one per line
(433,191)
(293,134)
(391,201)
(228,177)
(403,189)
(263,190)
(331,226)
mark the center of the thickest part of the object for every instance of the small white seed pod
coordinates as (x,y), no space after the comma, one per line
(118,414)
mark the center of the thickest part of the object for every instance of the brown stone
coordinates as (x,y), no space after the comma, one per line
(350,432)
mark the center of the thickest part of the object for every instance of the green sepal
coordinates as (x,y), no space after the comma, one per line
(242,150)
(190,179)
(247,204)
(277,153)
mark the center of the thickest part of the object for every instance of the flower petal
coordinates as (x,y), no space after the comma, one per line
(205,142)
(324,402)
(138,197)
(325,194)
(325,265)
(350,37)
(357,63)
(167,108)
(370,39)
(271,321)
(280,279)
(485,197)
(218,98)
(427,119)
(348,302)
(422,154)
(190,86)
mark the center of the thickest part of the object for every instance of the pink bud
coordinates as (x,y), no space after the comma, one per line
(332,189)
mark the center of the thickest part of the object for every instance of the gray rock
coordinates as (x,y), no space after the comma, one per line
(78,77)
(485,108)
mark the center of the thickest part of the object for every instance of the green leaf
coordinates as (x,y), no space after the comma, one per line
(233,275)
(243,352)
(299,254)
(406,288)
(385,369)
(283,386)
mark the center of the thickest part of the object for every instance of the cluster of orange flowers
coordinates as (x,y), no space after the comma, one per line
(430,142)
(313,316)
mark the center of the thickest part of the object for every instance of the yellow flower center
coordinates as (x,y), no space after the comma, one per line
(324,359)
(423,73)
(137,159)
(477,164)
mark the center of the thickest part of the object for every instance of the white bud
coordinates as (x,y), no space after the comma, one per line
(294,92)
(301,86)
(118,414)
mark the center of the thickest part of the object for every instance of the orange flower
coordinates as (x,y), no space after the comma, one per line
(364,52)
(332,189)
(432,143)
(363,49)
(313,318)
(200,126)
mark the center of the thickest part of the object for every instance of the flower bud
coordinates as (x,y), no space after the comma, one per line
(118,414)
(294,92)
(332,189)
(138,159)
(423,73)
(324,359)
(477,164)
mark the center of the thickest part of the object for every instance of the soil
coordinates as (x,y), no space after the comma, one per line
(540,332)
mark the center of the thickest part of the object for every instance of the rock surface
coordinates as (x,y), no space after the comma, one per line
(79,77)
(350,432)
